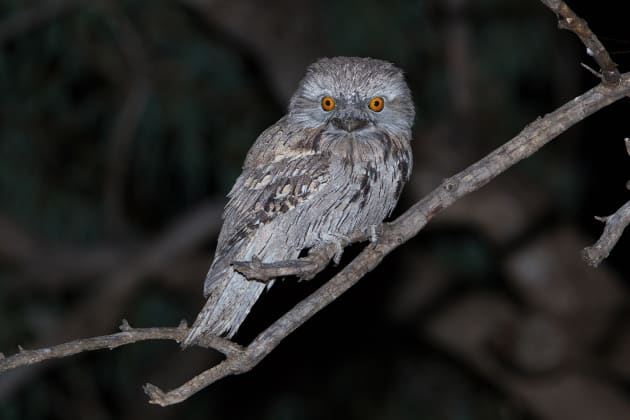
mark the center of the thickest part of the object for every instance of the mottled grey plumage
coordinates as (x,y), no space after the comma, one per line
(311,178)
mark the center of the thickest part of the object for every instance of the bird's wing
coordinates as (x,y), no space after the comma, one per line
(272,186)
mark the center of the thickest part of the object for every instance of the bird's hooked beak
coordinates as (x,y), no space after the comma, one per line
(349,124)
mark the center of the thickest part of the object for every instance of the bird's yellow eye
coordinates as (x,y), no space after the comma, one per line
(328,103)
(376,104)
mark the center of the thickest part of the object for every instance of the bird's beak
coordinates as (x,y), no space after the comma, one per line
(349,124)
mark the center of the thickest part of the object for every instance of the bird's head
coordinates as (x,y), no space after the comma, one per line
(353,95)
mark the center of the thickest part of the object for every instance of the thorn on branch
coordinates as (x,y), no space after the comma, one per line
(124,326)
(592,70)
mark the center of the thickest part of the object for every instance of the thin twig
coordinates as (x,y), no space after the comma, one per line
(97,311)
(615,225)
(126,336)
(569,20)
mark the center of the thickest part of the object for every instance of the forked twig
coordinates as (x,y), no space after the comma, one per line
(570,21)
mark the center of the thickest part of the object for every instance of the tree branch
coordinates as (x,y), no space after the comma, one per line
(127,335)
(615,225)
(526,143)
(569,20)
(102,307)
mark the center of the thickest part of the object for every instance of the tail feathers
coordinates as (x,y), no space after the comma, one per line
(230,298)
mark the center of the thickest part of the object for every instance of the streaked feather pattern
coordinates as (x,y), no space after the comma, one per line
(305,181)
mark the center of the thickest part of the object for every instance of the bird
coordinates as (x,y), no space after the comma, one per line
(335,164)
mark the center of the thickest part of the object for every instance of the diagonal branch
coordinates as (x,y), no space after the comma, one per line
(525,144)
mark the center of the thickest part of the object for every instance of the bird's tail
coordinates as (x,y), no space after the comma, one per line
(230,298)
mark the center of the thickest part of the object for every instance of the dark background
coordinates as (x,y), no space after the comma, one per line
(123,124)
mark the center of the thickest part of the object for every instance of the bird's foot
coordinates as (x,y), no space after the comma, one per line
(265,272)
(329,249)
